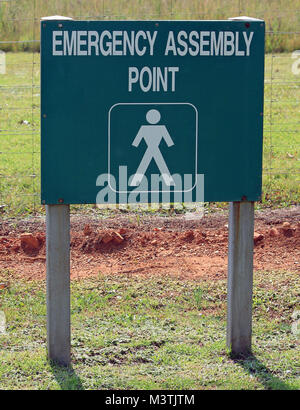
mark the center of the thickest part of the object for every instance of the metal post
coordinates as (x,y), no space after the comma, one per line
(240,277)
(58,275)
(58,283)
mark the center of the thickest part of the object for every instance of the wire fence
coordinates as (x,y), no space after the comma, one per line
(20,85)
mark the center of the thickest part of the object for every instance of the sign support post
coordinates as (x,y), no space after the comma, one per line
(58,276)
(240,269)
(58,283)
(240,277)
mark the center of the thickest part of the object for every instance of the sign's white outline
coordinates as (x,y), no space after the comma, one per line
(196,147)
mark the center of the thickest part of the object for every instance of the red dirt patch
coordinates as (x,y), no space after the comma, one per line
(163,246)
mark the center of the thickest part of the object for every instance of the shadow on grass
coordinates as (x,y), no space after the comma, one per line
(257,369)
(66,377)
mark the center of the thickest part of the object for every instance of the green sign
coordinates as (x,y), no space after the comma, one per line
(151,111)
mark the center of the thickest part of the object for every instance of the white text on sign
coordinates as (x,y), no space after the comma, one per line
(140,43)
(154,79)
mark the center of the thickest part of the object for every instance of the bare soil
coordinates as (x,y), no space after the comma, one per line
(182,246)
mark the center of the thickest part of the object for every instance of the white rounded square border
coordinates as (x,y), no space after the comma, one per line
(196,147)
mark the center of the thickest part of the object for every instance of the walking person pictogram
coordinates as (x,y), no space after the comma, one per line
(153,134)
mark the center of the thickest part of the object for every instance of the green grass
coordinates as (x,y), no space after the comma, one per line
(20,137)
(131,332)
(20,134)
(281,160)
